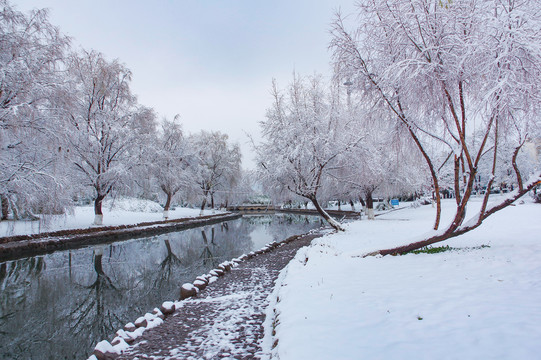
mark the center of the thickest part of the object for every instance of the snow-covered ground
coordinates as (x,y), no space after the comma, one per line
(482,301)
(122,211)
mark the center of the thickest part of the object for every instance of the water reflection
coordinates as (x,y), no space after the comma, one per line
(58,306)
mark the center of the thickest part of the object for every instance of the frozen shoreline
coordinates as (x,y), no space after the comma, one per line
(473,302)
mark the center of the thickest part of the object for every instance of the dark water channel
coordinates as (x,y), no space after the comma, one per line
(58,306)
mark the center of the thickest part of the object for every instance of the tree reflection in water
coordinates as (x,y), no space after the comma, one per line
(206,255)
(169,266)
(94,314)
(16,278)
(83,296)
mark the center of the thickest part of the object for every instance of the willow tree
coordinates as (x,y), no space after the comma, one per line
(462,76)
(173,162)
(104,125)
(217,166)
(31,55)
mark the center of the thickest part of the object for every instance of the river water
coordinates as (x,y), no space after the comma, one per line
(59,305)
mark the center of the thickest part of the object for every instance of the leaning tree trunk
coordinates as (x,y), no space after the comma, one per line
(456,228)
(335,224)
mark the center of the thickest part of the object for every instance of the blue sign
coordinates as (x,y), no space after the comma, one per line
(394,202)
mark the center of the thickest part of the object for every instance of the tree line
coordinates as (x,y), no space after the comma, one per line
(428,97)
(71,130)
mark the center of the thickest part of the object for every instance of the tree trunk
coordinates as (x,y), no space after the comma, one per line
(363,204)
(212,201)
(203,203)
(335,224)
(5,206)
(438,204)
(352,205)
(167,204)
(98,214)
(370,206)
(167,201)
(458,197)
(97,204)
(361,200)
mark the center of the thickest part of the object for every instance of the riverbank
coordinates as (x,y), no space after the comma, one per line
(60,305)
(14,247)
(116,212)
(125,218)
(477,298)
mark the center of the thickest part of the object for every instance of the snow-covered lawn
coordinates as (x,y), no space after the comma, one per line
(123,211)
(482,301)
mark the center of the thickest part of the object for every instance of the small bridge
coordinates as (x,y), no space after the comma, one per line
(265,209)
(250,209)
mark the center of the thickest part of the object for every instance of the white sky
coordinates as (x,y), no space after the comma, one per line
(211,61)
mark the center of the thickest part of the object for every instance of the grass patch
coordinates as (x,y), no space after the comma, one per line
(439,249)
(432,250)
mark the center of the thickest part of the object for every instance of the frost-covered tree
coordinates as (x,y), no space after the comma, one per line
(31,53)
(383,164)
(218,165)
(304,134)
(174,161)
(105,126)
(449,70)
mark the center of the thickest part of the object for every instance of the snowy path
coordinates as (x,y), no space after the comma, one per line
(225,320)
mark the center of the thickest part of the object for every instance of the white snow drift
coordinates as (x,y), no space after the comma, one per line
(480,300)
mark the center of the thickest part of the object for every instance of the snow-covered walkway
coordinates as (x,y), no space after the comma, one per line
(225,320)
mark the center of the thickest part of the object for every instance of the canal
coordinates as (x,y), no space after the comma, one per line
(59,305)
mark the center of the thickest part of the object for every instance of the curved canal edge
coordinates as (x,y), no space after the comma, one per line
(16,247)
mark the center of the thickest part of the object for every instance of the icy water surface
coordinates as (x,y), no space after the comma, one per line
(58,306)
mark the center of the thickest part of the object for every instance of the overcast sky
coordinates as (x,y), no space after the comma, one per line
(211,61)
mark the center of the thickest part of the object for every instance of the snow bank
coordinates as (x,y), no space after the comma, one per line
(124,211)
(476,302)
(132,204)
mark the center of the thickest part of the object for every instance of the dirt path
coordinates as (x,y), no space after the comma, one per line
(225,320)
